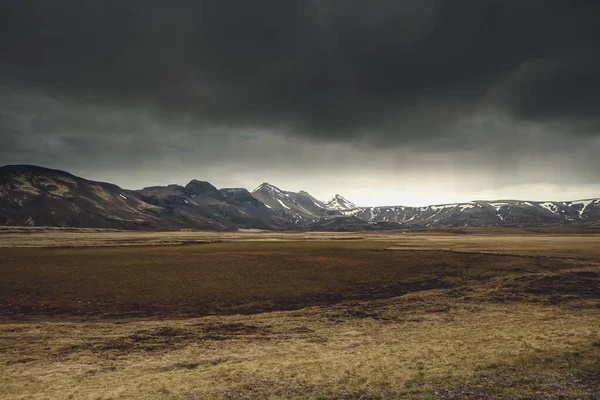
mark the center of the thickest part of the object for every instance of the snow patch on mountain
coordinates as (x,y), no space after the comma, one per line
(283,204)
(584,205)
(549,206)
(30,194)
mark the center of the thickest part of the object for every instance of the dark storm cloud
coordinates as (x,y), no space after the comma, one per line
(332,69)
(562,86)
(413,101)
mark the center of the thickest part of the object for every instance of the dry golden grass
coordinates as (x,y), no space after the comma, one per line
(559,242)
(484,326)
(553,244)
(89,237)
(425,342)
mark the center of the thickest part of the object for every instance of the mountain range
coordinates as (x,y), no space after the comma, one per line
(37,196)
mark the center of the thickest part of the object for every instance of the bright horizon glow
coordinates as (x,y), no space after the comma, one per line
(362,189)
(381,196)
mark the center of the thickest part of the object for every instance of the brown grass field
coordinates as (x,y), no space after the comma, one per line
(449,314)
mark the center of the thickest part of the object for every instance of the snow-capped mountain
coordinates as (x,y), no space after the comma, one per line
(485,213)
(31,195)
(36,196)
(300,208)
(339,203)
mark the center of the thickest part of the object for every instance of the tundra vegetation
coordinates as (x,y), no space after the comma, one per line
(468,313)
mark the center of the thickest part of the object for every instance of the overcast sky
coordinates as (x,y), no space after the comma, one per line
(386,102)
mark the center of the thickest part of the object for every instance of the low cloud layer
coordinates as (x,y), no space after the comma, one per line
(392,102)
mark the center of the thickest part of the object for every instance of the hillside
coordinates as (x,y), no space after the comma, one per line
(36,196)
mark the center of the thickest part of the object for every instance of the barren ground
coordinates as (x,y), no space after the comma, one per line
(491,313)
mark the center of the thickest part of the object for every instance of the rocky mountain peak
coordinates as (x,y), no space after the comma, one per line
(202,188)
(338,202)
(31,195)
(267,187)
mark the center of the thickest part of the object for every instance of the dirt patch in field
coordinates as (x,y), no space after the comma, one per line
(146,340)
(577,287)
(163,339)
(230,278)
(568,376)
(248,253)
(584,284)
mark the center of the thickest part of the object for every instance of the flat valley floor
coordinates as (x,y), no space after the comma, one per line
(447,314)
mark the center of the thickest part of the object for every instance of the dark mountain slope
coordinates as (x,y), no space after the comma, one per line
(31,195)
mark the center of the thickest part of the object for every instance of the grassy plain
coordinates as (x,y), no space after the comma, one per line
(475,314)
